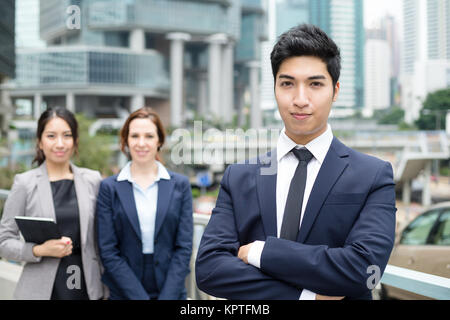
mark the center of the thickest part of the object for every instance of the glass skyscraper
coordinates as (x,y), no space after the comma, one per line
(7,63)
(7,60)
(426,52)
(343,21)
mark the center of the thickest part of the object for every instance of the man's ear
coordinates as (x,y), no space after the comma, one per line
(336,91)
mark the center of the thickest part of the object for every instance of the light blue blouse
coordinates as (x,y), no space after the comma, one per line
(146,204)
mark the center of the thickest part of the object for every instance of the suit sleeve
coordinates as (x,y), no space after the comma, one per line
(11,246)
(179,263)
(115,266)
(341,271)
(219,272)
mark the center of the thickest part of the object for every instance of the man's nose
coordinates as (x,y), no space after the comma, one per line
(301,98)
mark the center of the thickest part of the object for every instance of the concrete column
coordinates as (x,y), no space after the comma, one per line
(137,102)
(406,197)
(70,102)
(202,94)
(447,123)
(215,72)
(426,191)
(228,83)
(137,40)
(255,108)
(177,40)
(37,102)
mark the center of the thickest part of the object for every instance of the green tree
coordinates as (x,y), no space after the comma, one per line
(93,152)
(434,110)
(393,115)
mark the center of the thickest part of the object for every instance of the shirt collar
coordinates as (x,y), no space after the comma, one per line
(125,173)
(318,147)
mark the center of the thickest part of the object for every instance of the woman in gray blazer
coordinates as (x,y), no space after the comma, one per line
(66,268)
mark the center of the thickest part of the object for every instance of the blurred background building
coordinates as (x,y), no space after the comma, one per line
(7,61)
(377,77)
(186,59)
(426,52)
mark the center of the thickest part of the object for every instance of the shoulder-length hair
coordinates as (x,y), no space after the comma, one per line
(143,113)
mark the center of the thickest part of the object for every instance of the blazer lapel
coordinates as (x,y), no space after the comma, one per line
(266,186)
(165,188)
(332,167)
(126,197)
(45,192)
(83,204)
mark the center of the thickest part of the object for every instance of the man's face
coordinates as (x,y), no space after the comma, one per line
(304,94)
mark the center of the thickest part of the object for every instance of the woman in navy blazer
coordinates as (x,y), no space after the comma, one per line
(144,218)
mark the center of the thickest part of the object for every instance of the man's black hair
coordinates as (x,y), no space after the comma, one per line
(307,40)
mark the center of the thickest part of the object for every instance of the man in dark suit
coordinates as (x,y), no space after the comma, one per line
(323,221)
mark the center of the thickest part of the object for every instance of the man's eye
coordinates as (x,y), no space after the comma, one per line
(317,84)
(286,83)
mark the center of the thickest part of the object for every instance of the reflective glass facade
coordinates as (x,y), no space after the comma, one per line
(7,55)
(92,68)
(343,21)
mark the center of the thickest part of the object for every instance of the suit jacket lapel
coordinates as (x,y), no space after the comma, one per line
(126,197)
(266,185)
(165,188)
(83,204)
(332,167)
(45,192)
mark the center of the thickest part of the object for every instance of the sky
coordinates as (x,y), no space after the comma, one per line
(375,9)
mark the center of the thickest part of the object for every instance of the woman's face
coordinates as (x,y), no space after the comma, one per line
(143,141)
(57,141)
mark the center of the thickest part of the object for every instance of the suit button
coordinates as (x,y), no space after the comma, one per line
(156,263)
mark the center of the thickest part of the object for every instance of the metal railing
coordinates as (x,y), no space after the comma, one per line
(424,284)
(413,281)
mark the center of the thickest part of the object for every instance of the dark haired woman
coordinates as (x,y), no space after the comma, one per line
(144,218)
(59,269)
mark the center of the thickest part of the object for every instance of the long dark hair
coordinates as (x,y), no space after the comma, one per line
(45,117)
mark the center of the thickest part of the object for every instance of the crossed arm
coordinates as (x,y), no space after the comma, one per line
(286,266)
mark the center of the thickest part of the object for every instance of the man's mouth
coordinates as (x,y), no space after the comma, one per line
(300,116)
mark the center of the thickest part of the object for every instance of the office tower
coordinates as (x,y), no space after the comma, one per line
(343,21)
(7,61)
(109,57)
(378,71)
(426,52)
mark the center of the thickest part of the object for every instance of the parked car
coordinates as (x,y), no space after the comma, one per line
(423,245)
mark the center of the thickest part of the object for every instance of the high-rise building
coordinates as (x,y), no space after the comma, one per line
(426,52)
(7,60)
(27,24)
(390,25)
(378,74)
(182,57)
(343,21)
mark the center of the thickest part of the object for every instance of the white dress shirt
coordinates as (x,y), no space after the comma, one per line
(287,164)
(146,204)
